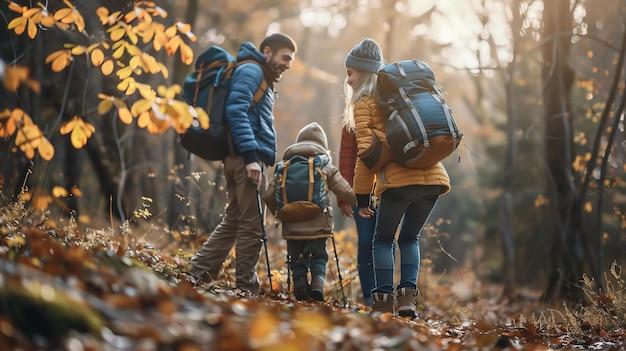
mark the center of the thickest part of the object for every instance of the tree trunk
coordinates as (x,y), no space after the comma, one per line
(558,78)
(177,213)
(595,237)
(506,214)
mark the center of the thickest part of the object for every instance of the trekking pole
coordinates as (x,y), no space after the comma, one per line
(288,272)
(343,294)
(264,238)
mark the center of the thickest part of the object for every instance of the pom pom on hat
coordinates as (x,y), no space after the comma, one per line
(366,56)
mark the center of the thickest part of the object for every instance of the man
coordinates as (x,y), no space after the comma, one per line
(254,140)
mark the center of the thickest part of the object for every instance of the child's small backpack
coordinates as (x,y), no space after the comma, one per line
(420,128)
(301,189)
(207,87)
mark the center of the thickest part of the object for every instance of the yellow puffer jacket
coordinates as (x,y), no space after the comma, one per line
(369,118)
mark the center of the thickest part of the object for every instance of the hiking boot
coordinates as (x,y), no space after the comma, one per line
(203,279)
(317,288)
(301,288)
(383,303)
(406,303)
(201,275)
(253,287)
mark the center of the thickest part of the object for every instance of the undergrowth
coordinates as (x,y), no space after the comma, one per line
(607,309)
(603,314)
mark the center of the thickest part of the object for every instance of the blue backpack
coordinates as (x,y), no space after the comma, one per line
(301,189)
(420,129)
(208,87)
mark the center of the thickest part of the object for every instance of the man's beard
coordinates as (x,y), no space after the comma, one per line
(276,68)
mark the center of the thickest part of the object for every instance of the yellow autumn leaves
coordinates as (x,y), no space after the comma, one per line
(34,17)
(29,137)
(30,19)
(118,54)
(62,58)
(156,111)
(79,130)
(15,75)
(124,33)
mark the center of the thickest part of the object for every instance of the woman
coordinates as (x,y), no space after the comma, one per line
(408,193)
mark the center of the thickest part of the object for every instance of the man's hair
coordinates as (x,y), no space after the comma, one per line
(278,41)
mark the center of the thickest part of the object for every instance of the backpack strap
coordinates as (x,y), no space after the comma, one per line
(284,180)
(454,131)
(312,168)
(325,161)
(420,64)
(223,66)
(262,88)
(400,69)
(323,178)
(420,124)
(311,177)
(258,95)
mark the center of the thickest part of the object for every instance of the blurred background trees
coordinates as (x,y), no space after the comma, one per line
(537,87)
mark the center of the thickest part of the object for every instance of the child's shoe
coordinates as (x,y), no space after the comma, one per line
(301,288)
(317,288)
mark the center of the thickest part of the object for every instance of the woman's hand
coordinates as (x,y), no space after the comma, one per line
(366,212)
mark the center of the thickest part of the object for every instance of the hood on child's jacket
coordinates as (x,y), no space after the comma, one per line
(311,140)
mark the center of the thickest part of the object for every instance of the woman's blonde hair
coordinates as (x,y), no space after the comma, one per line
(364,86)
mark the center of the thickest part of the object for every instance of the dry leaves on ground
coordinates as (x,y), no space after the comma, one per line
(70,291)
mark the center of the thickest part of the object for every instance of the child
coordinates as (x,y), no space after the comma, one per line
(306,238)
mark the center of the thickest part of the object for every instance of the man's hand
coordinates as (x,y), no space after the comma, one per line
(346,209)
(253,172)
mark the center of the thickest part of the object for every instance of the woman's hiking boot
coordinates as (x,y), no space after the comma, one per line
(406,303)
(383,303)
(317,287)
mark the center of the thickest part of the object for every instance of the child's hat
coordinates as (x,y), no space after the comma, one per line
(366,56)
(313,132)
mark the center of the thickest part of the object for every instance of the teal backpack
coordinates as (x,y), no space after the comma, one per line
(301,189)
(420,128)
(207,87)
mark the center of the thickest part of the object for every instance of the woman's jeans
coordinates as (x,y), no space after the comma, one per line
(414,203)
(365,232)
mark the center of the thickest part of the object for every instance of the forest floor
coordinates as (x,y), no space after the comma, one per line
(63,289)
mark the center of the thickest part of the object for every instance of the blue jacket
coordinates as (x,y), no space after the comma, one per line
(252,129)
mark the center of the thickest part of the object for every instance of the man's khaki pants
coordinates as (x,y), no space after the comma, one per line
(241,226)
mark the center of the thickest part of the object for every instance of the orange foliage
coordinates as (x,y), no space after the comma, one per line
(117,54)
(80,131)
(30,19)
(29,137)
(70,15)
(16,75)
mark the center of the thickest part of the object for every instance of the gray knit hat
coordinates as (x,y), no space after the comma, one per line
(314,133)
(365,56)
